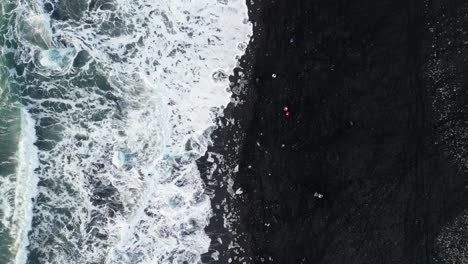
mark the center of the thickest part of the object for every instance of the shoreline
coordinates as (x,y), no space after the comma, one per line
(219,165)
(363,169)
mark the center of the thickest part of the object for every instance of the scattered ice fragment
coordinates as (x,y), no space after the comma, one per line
(57,59)
(118,159)
(219,76)
(36,30)
(239,191)
(215,255)
(210,159)
(318,195)
(242,46)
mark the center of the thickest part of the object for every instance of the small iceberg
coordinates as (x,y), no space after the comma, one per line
(119,159)
(36,30)
(57,59)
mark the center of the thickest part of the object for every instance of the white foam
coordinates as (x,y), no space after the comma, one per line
(26,185)
(159,58)
(19,190)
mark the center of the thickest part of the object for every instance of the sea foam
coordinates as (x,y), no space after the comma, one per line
(20,189)
(26,186)
(120,133)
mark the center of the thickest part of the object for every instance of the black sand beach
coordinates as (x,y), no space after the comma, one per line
(370,165)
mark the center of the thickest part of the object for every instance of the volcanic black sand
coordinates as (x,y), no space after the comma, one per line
(370,166)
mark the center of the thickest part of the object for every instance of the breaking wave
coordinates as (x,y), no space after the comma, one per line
(122,97)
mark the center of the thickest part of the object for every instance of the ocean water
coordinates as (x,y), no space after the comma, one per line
(105,105)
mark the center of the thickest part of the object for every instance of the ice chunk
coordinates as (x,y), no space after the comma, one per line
(119,159)
(36,30)
(57,59)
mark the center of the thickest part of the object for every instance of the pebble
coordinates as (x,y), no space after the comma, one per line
(318,195)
